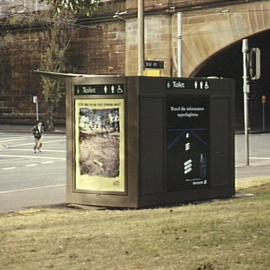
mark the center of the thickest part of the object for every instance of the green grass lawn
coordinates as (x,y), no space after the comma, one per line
(222,234)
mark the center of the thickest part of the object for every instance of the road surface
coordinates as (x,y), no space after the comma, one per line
(259,156)
(29,180)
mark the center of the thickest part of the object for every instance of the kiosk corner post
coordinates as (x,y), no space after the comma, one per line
(69,140)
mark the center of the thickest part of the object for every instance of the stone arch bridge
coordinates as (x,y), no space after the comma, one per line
(210,33)
(208,28)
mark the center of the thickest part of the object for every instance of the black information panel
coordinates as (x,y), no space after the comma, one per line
(187,142)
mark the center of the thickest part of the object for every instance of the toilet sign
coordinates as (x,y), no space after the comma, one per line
(185,84)
(99,89)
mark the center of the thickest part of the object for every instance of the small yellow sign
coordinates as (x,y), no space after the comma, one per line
(152,72)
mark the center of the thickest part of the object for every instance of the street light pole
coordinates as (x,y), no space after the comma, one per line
(140,37)
(35,101)
(246,90)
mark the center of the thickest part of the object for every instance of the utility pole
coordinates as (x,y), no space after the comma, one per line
(179,44)
(140,37)
(246,91)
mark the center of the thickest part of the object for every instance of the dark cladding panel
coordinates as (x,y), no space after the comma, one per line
(151,145)
(222,157)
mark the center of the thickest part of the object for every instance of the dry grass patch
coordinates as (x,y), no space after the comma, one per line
(222,234)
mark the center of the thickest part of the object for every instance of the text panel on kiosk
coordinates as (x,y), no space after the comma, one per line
(187,142)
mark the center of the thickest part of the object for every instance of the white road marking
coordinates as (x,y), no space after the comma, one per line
(9,168)
(33,188)
(11,140)
(29,150)
(44,142)
(23,144)
(36,156)
(31,165)
(47,162)
(13,159)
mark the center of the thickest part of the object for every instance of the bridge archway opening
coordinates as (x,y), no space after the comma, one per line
(228,63)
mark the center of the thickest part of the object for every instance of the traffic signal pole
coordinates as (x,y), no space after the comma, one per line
(246,91)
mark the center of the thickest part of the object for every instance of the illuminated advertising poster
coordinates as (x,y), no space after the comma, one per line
(100,153)
(187,142)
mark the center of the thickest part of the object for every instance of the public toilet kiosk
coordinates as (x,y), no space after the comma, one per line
(137,142)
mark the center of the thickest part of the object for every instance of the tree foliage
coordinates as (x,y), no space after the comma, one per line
(56,31)
(57,36)
(78,7)
(58,24)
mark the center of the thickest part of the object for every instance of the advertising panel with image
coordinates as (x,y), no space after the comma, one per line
(100,153)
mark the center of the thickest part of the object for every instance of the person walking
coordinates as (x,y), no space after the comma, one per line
(37,131)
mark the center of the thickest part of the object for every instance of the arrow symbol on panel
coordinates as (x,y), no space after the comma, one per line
(188,166)
(187,146)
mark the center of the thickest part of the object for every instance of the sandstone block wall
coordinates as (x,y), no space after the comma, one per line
(157,43)
(98,49)
(18,84)
(111,47)
(13,6)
